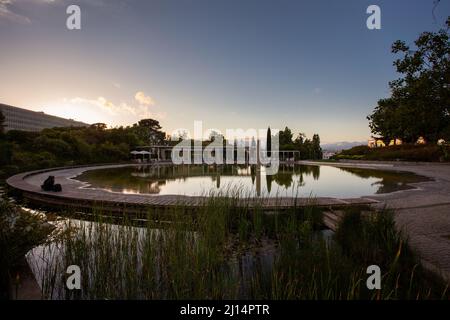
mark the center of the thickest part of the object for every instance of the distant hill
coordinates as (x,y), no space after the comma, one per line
(338,146)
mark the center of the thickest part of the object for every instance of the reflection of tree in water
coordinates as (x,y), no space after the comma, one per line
(269,179)
(150,178)
(389,180)
(253,173)
(315,172)
(283,179)
(286,173)
(216,178)
(122,181)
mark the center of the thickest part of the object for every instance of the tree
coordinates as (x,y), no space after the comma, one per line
(299,139)
(180,135)
(99,126)
(420,100)
(213,135)
(269,143)
(316,149)
(285,137)
(149,130)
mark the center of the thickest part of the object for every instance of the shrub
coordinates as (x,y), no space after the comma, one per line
(405,152)
(55,146)
(5,153)
(358,150)
(19,232)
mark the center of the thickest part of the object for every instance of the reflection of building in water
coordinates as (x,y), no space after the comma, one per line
(327,155)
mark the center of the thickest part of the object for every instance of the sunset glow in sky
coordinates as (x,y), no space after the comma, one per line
(311,65)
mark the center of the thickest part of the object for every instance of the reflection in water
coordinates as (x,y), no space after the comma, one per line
(388,180)
(291,180)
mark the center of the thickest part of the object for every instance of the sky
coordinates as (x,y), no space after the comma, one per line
(311,65)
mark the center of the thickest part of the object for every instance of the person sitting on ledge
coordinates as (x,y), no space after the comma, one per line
(49,185)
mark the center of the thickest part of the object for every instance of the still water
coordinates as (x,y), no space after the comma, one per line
(291,180)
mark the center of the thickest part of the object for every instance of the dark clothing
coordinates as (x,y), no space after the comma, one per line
(49,185)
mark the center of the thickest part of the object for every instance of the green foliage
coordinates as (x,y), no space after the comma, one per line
(20,137)
(372,239)
(358,150)
(309,149)
(21,150)
(54,146)
(108,151)
(285,139)
(5,152)
(420,100)
(404,152)
(229,251)
(149,130)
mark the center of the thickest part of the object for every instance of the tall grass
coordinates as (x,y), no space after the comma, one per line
(227,250)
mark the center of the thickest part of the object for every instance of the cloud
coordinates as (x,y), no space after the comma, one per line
(7,13)
(111,108)
(143,99)
(121,113)
(10,9)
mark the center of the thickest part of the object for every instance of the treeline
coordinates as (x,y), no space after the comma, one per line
(309,148)
(21,150)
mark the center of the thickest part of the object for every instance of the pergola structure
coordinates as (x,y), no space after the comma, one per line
(288,155)
(136,155)
(160,153)
(153,153)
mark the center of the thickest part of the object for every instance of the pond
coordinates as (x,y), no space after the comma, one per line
(290,181)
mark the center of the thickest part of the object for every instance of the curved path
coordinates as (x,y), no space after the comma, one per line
(76,194)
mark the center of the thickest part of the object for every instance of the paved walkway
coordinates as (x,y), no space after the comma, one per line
(424,214)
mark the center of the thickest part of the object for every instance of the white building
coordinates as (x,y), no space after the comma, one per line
(326,155)
(26,120)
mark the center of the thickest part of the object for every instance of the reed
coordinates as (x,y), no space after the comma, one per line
(227,250)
